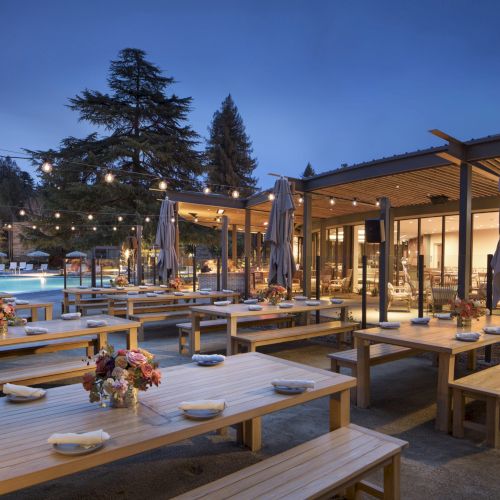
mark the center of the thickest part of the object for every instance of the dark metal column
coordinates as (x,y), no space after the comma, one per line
(224,250)
(247,249)
(464,231)
(307,245)
(384,263)
(138,269)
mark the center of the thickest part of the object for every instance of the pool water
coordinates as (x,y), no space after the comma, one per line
(27,284)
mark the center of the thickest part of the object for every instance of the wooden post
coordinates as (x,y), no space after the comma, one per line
(420,272)
(322,244)
(464,231)
(128,269)
(194,269)
(384,266)
(489,300)
(101,271)
(218,274)
(177,234)
(363,294)
(307,245)
(224,249)
(258,250)
(81,276)
(247,249)
(92,272)
(318,285)
(234,244)
(138,269)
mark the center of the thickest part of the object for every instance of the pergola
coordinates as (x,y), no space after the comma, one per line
(456,177)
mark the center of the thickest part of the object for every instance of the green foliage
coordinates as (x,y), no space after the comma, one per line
(141,136)
(229,152)
(16,190)
(308,171)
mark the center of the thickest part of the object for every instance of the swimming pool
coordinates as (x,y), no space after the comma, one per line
(26,284)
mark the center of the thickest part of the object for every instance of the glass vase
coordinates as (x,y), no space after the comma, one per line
(4,327)
(129,400)
(464,323)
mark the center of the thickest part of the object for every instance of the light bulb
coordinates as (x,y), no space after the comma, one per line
(114,228)
(270,196)
(266,223)
(301,200)
(206,190)
(147,219)
(332,200)
(172,220)
(94,229)
(72,228)
(90,216)
(162,185)
(217,219)
(354,202)
(235,193)
(109,177)
(57,215)
(9,226)
(196,219)
(33,226)
(120,218)
(377,203)
(22,212)
(47,167)
(57,228)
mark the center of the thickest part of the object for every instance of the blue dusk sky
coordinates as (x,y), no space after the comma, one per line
(328,82)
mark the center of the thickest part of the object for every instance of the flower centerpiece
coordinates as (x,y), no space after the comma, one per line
(466,311)
(120,375)
(274,294)
(120,280)
(8,317)
(175,283)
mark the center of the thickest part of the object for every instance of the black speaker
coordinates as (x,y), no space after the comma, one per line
(374,231)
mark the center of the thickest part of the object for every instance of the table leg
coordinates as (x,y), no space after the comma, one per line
(232,326)
(132,339)
(252,434)
(130,308)
(77,302)
(34,314)
(65,302)
(472,360)
(493,422)
(195,335)
(344,311)
(49,312)
(102,340)
(446,374)
(363,389)
(340,409)
(392,479)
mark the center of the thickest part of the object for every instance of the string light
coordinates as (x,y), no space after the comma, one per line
(301,200)
(72,228)
(47,167)
(332,200)
(172,220)
(270,196)
(377,203)
(57,215)
(57,228)
(220,211)
(90,217)
(22,212)
(109,177)
(162,185)
(114,228)
(132,228)
(206,190)
(9,226)
(354,202)
(120,218)
(33,226)
(217,219)
(196,219)
(266,223)
(94,229)
(235,193)
(147,219)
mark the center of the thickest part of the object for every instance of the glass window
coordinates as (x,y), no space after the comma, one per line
(335,250)
(484,242)
(431,247)
(407,253)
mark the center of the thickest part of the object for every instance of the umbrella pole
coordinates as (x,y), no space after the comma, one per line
(80,271)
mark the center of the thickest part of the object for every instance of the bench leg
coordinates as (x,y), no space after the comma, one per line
(132,339)
(458,413)
(194,334)
(493,422)
(334,366)
(182,342)
(140,333)
(392,479)
(363,375)
(446,373)
(339,409)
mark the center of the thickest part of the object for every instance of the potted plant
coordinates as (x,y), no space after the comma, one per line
(466,311)
(274,294)
(8,317)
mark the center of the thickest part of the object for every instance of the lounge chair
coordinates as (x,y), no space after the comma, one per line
(2,268)
(13,266)
(44,267)
(29,267)
(22,266)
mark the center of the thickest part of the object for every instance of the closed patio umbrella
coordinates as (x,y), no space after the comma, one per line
(280,233)
(165,239)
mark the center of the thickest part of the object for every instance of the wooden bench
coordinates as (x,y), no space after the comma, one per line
(47,346)
(57,370)
(483,386)
(335,463)
(251,340)
(379,354)
(152,317)
(138,308)
(219,325)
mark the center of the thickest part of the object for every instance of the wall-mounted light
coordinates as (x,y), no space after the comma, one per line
(22,212)
(220,211)
(57,215)
(332,200)
(354,202)
(270,196)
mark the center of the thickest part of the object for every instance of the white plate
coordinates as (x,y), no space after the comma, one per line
(336,301)
(282,389)
(313,302)
(222,303)
(204,292)
(250,301)
(76,449)
(209,362)
(178,294)
(95,289)
(389,326)
(300,297)
(254,307)
(446,316)
(460,336)
(420,321)
(163,286)
(201,414)
(495,330)
(14,398)
(285,305)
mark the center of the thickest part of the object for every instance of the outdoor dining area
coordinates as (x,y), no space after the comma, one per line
(311,349)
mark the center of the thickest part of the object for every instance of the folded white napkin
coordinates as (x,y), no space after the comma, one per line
(120,288)
(21,302)
(285,305)
(208,357)
(336,301)
(203,404)
(163,286)
(390,324)
(468,336)
(254,307)
(492,330)
(71,315)
(222,302)
(10,299)
(95,289)
(143,286)
(443,315)
(204,292)
(93,323)
(300,297)
(250,301)
(22,390)
(132,292)
(93,437)
(205,289)
(151,294)
(35,330)
(227,291)
(178,293)
(420,321)
(294,383)
(313,302)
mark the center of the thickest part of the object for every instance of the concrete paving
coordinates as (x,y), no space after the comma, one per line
(435,465)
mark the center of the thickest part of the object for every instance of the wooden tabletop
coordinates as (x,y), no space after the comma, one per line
(110,290)
(31,305)
(170,296)
(242,310)
(59,328)
(437,336)
(243,381)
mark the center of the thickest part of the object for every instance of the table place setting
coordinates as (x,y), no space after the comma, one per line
(71,316)
(492,330)
(22,393)
(443,316)
(151,294)
(82,287)
(163,286)
(35,330)
(389,325)
(255,307)
(95,289)
(226,290)
(333,300)
(222,302)
(300,297)
(143,287)
(292,386)
(120,288)
(208,359)
(420,321)
(132,292)
(468,336)
(251,301)
(313,302)
(202,409)
(204,292)
(95,323)
(72,443)
(285,305)
(21,302)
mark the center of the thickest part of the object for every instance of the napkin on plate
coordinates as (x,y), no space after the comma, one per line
(205,289)
(227,291)
(86,438)
(251,301)
(9,299)
(35,330)
(20,302)
(163,286)
(255,307)
(222,303)
(143,286)
(208,357)
(95,289)
(93,323)
(132,292)
(468,336)
(492,330)
(293,383)
(22,390)
(336,301)
(313,302)
(151,294)
(390,324)
(442,315)
(71,315)
(203,404)
(420,321)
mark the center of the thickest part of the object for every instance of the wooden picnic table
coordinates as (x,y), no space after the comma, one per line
(33,307)
(164,298)
(437,337)
(232,312)
(61,329)
(78,293)
(4,295)
(244,381)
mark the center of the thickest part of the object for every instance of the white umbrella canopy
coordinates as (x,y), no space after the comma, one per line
(76,254)
(38,253)
(280,233)
(165,239)
(2,254)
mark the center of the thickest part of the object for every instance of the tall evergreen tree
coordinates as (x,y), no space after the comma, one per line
(141,137)
(16,190)
(308,171)
(229,152)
